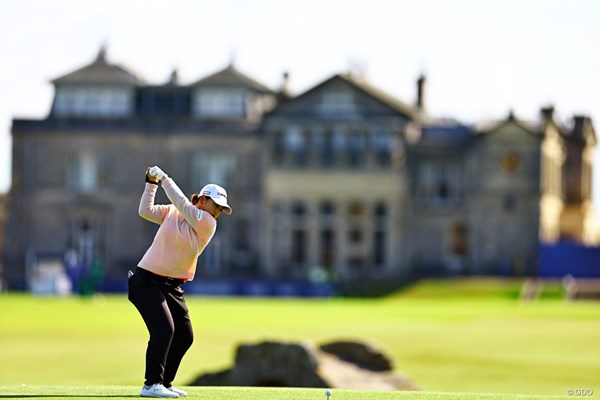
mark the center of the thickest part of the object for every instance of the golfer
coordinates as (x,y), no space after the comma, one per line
(186,227)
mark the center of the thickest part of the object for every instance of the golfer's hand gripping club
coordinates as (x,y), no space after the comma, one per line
(157,172)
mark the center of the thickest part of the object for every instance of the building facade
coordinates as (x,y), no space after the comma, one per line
(341,183)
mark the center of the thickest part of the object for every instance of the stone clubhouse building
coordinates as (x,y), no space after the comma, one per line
(341,183)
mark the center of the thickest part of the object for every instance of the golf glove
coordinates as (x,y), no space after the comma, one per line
(157,172)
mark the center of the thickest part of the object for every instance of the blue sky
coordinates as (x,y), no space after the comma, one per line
(481,58)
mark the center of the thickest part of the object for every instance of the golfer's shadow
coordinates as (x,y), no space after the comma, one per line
(40,396)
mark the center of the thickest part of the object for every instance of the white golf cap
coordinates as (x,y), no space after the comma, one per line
(218,194)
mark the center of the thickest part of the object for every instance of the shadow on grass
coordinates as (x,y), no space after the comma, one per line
(34,396)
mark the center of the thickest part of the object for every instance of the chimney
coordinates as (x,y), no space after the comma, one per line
(421,93)
(284,90)
(580,122)
(547,113)
(580,125)
(174,77)
(101,57)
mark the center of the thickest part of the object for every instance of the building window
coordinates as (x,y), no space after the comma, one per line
(278,149)
(357,211)
(161,100)
(357,146)
(339,143)
(355,236)
(317,141)
(439,185)
(298,212)
(327,213)
(213,167)
(328,154)
(381,146)
(356,254)
(509,202)
(294,144)
(93,102)
(218,103)
(380,215)
(380,235)
(379,248)
(327,244)
(459,240)
(298,250)
(81,172)
(298,246)
(328,248)
(105,161)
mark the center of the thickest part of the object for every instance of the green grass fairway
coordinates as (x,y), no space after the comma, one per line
(242,393)
(472,337)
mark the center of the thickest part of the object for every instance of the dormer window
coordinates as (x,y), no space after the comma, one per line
(218,103)
(86,101)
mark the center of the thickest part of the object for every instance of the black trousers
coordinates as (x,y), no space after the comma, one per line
(161,303)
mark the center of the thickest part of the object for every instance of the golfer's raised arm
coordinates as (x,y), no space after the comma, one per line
(147,209)
(182,203)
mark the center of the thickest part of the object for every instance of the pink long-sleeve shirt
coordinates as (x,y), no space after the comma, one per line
(183,234)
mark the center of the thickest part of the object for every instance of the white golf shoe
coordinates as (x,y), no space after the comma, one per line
(157,390)
(181,393)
